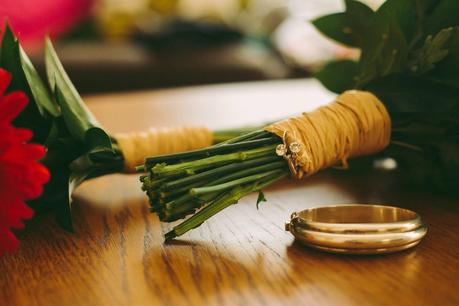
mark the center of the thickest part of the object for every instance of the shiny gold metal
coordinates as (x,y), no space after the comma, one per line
(359,218)
(357,229)
(359,240)
(366,251)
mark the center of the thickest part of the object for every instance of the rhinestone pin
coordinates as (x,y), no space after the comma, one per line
(281,150)
(294,147)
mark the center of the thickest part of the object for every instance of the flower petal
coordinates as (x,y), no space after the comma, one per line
(8,242)
(21,175)
(5,79)
(12,104)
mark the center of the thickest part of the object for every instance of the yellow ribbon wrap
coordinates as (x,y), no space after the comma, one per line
(159,141)
(356,123)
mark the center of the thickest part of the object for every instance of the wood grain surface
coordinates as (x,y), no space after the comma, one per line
(242,256)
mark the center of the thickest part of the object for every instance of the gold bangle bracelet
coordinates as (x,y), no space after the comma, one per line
(358,218)
(357,229)
(365,251)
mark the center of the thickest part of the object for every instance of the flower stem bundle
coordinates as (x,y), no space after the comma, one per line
(213,178)
(206,181)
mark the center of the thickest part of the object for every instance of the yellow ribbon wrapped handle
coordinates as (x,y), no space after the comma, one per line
(159,141)
(356,123)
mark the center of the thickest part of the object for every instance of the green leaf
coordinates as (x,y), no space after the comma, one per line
(10,60)
(403,13)
(338,76)
(76,115)
(64,211)
(348,27)
(97,138)
(54,133)
(359,18)
(38,89)
(261,198)
(434,50)
(335,27)
(25,77)
(445,14)
(32,116)
(447,70)
(384,52)
(414,94)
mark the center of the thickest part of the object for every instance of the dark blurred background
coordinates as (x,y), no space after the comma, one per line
(121,45)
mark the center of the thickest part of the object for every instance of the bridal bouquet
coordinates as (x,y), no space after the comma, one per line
(402,96)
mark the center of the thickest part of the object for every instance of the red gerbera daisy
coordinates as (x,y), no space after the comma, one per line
(21,176)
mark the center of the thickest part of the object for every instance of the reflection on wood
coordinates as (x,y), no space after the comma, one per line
(241,256)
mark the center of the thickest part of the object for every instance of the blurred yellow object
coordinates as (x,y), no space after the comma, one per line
(119,25)
(118,18)
(165,7)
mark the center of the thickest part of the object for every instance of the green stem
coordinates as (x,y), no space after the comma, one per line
(225,135)
(224,186)
(218,172)
(200,164)
(168,194)
(150,183)
(186,207)
(249,136)
(220,203)
(249,170)
(225,148)
(175,205)
(406,145)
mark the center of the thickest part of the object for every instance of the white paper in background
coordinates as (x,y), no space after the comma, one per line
(255,17)
(299,41)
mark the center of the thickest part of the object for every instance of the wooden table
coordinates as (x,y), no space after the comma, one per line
(241,256)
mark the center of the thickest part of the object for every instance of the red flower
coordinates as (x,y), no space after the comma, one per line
(21,176)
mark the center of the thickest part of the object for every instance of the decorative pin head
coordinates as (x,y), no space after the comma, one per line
(281,150)
(294,147)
